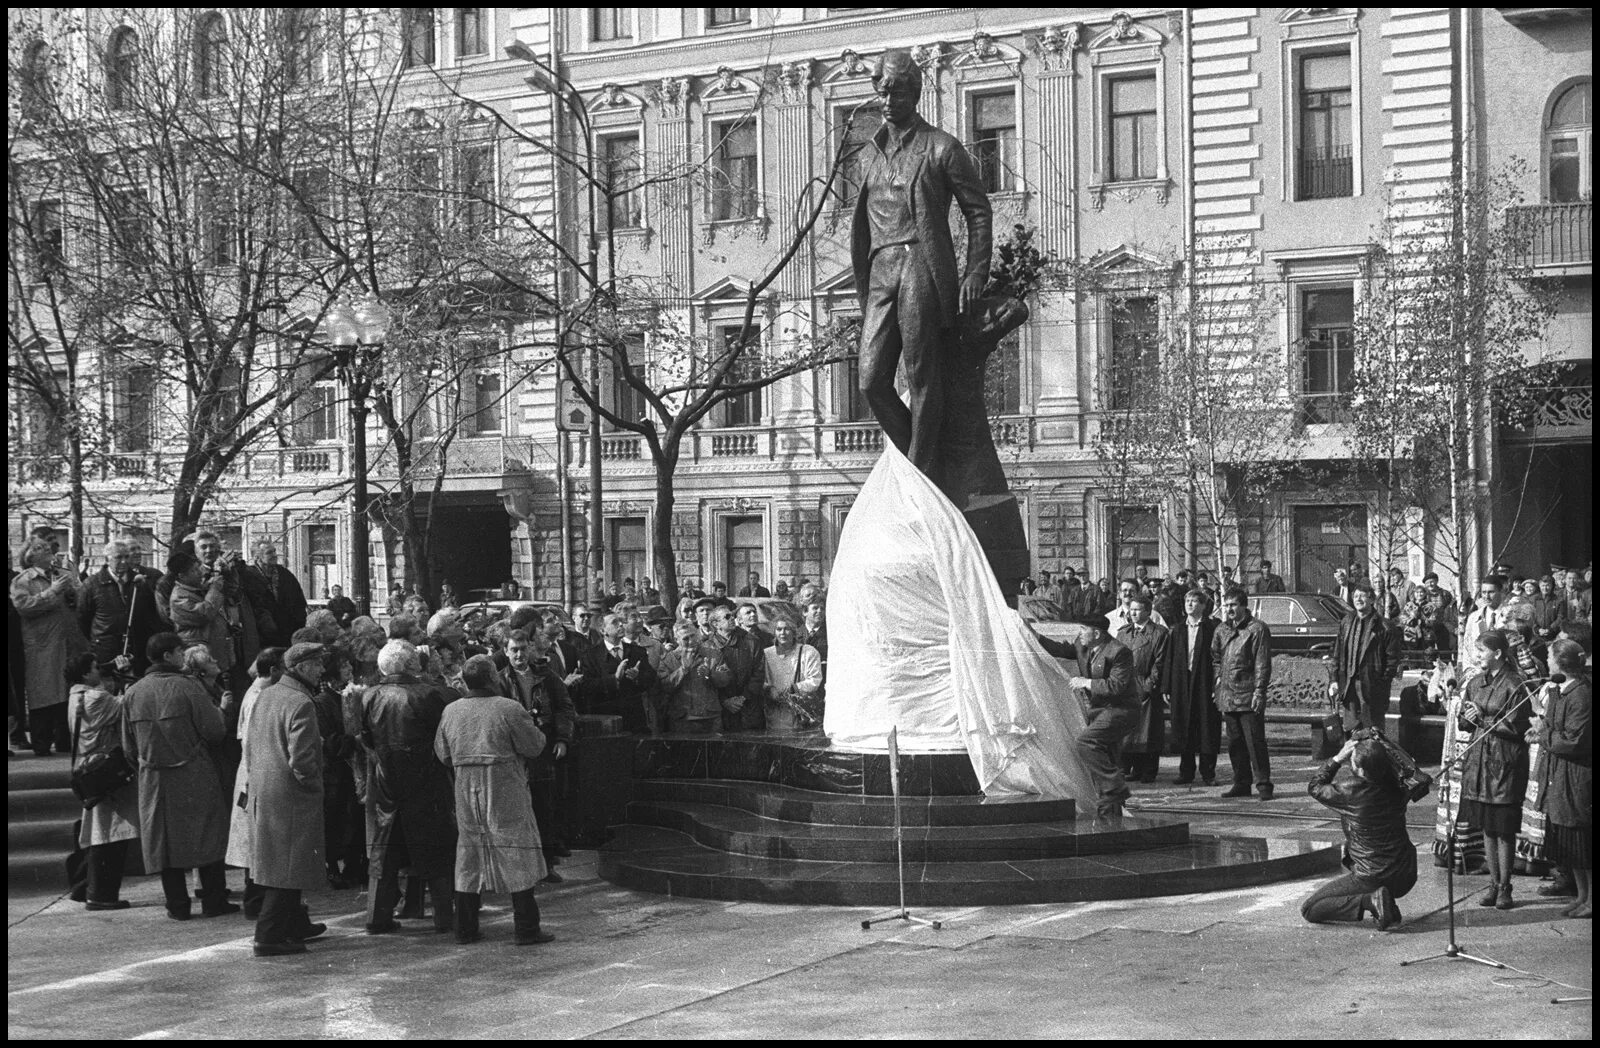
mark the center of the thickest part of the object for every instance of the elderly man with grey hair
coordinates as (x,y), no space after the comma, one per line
(117,610)
(273,585)
(410,800)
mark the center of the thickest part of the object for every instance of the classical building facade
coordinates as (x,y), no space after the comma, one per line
(1153,147)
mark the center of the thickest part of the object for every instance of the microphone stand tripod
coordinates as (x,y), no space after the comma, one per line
(1452,950)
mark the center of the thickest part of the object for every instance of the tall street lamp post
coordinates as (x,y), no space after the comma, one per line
(357,338)
(552,83)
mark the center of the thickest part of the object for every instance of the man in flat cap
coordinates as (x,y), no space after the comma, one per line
(905,262)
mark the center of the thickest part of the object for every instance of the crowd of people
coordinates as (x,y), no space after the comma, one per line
(427,757)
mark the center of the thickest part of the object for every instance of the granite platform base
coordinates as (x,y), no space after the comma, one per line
(793,820)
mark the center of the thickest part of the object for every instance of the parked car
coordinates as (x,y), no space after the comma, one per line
(476,618)
(1301,623)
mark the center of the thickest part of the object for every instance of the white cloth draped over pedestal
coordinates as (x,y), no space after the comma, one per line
(920,638)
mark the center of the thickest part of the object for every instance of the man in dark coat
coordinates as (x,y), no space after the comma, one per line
(1366,657)
(530,679)
(754,588)
(1268,582)
(283,761)
(1188,679)
(1148,643)
(904,260)
(743,697)
(344,609)
(411,820)
(117,611)
(279,601)
(1241,651)
(617,678)
(169,727)
(1113,707)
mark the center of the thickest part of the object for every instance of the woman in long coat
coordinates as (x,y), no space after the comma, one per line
(1188,679)
(112,824)
(169,727)
(487,740)
(1494,776)
(1566,773)
(47,600)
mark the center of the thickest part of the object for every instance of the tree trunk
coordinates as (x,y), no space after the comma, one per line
(75,493)
(666,560)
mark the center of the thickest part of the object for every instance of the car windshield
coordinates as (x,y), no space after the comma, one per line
(1326,609)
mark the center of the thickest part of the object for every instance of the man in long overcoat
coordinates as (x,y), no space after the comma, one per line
(1366,657)
(487,742)
(46,597)
(410,803)
(1148,643)
(169,727)
(283,755)
(904,260)
(1189,681)
(1241,651)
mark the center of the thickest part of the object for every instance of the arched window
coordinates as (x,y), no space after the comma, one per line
(210,47)
(1568,142)
(36,87)
(122,68)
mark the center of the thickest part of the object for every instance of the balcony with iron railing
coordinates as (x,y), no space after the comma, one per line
(1324,173)
(1553,235)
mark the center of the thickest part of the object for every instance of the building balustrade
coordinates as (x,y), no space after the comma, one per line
(1553,234)
(857,439)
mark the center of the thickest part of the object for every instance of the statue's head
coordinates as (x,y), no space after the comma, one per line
(897,78)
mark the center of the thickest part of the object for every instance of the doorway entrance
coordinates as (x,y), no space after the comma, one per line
(1325,538)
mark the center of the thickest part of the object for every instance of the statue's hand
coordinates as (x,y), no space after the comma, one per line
(971,291)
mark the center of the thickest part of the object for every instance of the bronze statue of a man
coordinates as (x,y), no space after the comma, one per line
(904,261)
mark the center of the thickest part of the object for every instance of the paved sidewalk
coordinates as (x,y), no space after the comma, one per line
(630,965)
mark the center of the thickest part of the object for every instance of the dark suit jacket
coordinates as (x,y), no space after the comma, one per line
(103,615)
(944,171)
(1196,723)
(1377,662)
(601,692)
(1109,669)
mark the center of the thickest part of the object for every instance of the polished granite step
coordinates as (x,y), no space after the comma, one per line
(745,833)
(806,761)
(666,862)
(776,801)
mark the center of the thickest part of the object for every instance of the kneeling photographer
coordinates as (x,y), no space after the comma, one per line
(1379,855)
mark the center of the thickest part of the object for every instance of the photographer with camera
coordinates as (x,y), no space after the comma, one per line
(1377,849)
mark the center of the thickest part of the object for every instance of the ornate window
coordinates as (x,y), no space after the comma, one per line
(133,407)
(1135,353)
(471,39)
(619,157)
(122,68)
(610,23)
(1132,144)
(744,409)
(476,189)
(993,117)
(1327,346)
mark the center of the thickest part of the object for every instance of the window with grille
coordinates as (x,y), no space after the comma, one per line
(735,175)
(620,157)
(1131,148)
(1327,334)
(994,139)
(1324,163)
(416,29)
(1135,353)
